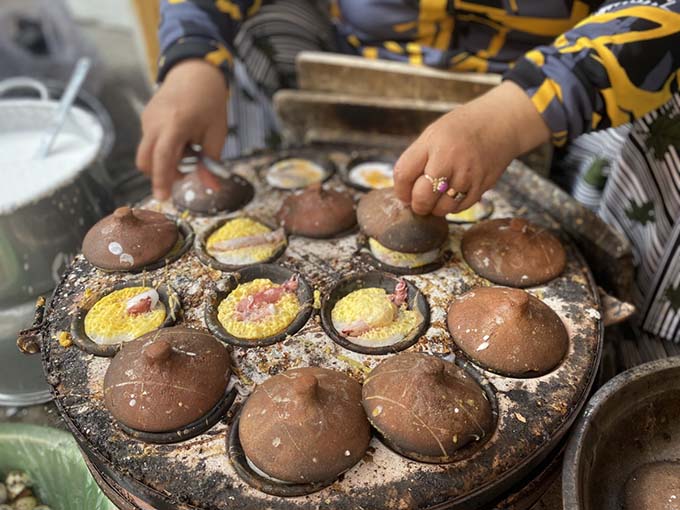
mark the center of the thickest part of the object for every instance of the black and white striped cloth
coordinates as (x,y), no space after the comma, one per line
(642,200)
(266,47)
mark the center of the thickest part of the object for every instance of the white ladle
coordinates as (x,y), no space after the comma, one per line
(75,82)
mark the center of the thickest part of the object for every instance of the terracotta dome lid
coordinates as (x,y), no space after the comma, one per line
(166,379)
(426,408)
(318,211)
(512,251)
(382,216)
(508,331)
(191,193)
(129,239)
(305,425)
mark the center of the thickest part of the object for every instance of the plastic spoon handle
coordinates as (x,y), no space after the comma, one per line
(77,78)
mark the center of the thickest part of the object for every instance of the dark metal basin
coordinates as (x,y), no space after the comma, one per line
(632,420)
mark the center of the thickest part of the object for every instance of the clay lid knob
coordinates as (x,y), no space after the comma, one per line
(124,214)
(434,369)
(158,351)
(306,386)
(518,224)
(317,188)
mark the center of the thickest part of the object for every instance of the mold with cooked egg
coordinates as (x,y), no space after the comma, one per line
(259,308)
(371,317)
(372,175)
(477,212)
(243,241)
(124,314)
(400,259)
(295,173)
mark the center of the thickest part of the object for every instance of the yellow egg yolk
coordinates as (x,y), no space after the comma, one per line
(108,321)
(401,259)
(285,311)
(238,228)
(371,306)
(295,173)
(469,215)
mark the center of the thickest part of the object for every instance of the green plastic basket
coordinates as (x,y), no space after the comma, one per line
(54,462)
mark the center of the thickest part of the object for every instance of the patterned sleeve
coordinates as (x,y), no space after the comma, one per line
(615,66)
(200,29)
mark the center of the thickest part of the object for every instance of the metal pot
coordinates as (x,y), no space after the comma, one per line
(40,234)
(632,420)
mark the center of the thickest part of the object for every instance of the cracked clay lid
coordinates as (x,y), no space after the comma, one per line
(425,407)
(305,425)
(166,379)
(129,239)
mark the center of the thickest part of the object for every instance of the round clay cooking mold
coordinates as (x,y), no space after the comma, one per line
(461,354)
(488,211)
(208,214)
(468,450)
(349,231)
(276,274)
(240,464)
(196,428)
(184,242)
(325,163)
(166,295)
(356,281)
(364,251)
(364,158)
(210,261)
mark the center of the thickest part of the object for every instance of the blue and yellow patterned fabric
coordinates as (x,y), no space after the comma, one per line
(583,70)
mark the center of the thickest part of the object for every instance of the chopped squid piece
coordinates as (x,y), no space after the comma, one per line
(260,305)
(276,236)
(142,303)
(356,329)
(400,294)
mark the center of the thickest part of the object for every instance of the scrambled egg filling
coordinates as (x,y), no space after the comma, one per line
(469,215)
(108,321)
(284,312)
(371,306)
(400,259)
(295,173)
(376,175)
(237,228)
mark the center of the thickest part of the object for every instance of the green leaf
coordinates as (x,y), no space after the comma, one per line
(595,174)
(673,295)
(643,214)
(53,461)
(664,131)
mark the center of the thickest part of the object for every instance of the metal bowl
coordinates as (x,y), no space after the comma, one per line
(632,420)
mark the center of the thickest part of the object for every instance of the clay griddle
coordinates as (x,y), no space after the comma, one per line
(533,414)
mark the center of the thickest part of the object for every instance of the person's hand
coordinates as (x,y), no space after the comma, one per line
(468,148)
(189,107)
